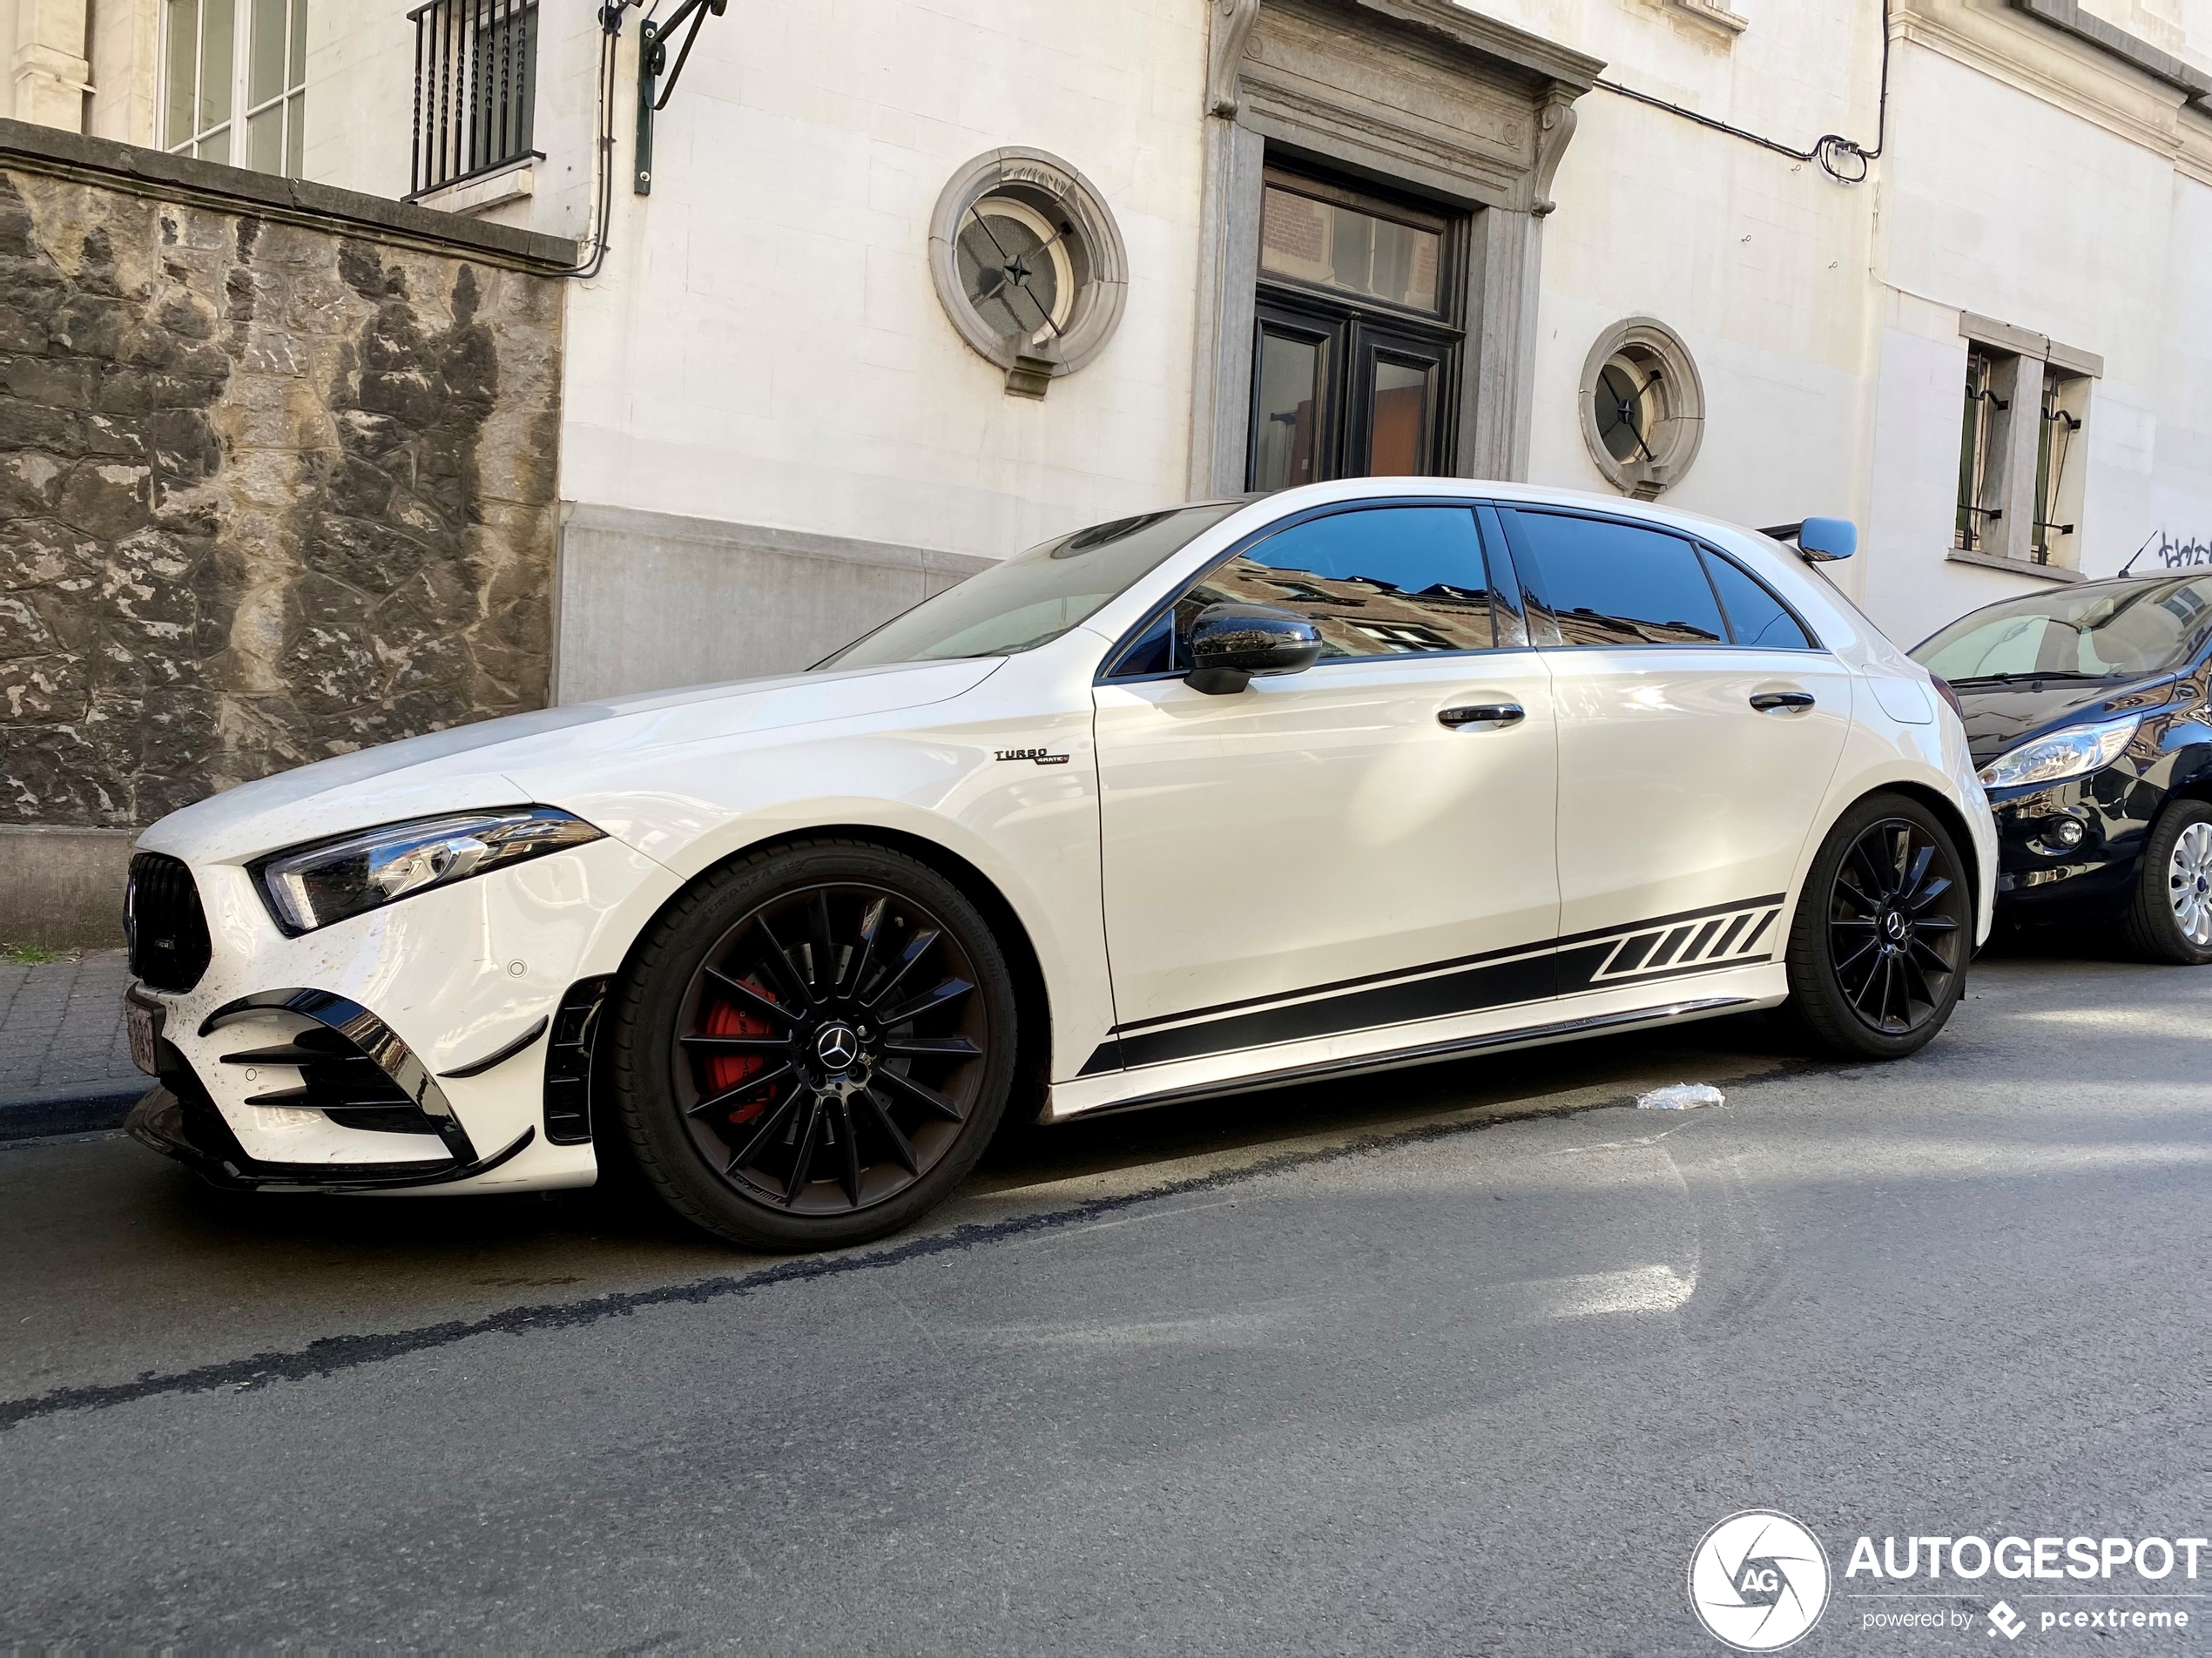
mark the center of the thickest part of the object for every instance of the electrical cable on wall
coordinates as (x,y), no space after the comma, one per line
(603,181)
(1841,158)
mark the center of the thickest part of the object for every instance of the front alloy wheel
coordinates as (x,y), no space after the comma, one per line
(1878,947)
(2169,916)
(835,1027)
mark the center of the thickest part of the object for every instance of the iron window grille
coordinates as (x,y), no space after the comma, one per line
(475,88)
(2054,444)
(1978,473)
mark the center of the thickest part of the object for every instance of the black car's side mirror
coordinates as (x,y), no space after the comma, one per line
(1230,644)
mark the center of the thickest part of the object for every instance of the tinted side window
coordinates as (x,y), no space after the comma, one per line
(1385,582)
(1754,615)
(1612,583)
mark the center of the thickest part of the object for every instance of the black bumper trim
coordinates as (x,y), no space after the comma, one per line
(166,1123)
(374,1038)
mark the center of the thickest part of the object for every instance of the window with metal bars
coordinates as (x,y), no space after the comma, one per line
(234,77)
(2056,487)
(1980,455)
(475,88)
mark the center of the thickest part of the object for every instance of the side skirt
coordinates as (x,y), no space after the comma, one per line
(1426,1054)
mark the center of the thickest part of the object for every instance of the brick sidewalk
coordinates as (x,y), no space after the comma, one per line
(61,1027)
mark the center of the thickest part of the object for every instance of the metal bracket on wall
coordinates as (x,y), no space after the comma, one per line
(652,64)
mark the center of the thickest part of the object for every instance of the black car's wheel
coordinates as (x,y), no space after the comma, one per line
(1878,948)
(813,1046)
(2170,914)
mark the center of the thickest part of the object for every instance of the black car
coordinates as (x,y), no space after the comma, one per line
(2086,710)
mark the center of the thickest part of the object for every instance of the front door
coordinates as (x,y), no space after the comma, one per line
(1699,726)
(1277,861)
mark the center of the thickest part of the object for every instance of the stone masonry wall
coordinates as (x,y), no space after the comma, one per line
(273,488)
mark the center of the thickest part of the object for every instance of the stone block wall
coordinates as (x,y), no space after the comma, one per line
(277,480)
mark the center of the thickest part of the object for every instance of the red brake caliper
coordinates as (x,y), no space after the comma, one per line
(727,1070)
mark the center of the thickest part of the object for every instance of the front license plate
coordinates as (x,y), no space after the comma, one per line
(142,1020)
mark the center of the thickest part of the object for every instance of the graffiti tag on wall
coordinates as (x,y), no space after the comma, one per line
(2181,554)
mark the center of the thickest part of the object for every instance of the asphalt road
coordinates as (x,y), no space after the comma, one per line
(1459,1361)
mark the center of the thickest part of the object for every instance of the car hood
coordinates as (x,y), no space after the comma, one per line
(2001,716)
(472,766)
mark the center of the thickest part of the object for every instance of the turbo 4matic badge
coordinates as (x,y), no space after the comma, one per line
(1042,757)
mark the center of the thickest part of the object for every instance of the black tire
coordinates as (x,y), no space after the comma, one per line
(1884,929)
(812,1045)
(2173,896)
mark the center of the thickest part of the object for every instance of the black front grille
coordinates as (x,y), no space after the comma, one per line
(163,923)
(338,1079)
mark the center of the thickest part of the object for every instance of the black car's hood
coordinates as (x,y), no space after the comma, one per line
(2001,716)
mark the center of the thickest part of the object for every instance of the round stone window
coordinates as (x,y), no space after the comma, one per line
(1643,407)
(1028,265)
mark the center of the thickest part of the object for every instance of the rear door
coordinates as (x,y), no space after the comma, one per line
(1699,726)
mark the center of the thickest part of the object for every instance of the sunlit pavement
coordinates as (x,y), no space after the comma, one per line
(1462,1360)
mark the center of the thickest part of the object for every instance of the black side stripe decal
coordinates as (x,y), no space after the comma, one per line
(1662,922)
(1703,942)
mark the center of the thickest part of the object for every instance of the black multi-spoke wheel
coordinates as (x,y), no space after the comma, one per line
(1879,949)
(834,1034)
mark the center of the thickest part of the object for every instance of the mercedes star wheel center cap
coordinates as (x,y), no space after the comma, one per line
(836,1047)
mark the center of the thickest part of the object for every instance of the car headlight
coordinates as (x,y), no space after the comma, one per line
(2073,753)
(328,881)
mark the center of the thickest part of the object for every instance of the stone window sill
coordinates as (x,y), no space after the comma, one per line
(1715,14)
(485,191)
(2015,566)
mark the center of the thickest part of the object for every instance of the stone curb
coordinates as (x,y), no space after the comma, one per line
(77,1109)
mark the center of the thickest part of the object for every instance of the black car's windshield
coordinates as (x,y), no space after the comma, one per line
(1034,597)
(2101,632)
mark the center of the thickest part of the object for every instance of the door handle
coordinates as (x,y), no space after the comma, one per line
(1483,714)
(1780,702)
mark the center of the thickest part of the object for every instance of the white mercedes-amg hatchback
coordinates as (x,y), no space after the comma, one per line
(1357,776)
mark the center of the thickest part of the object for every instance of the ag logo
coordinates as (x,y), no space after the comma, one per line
(1758,1581)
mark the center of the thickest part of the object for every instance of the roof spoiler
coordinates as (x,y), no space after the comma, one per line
(1819,541)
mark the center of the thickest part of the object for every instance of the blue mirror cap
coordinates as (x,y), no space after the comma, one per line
(1827,538)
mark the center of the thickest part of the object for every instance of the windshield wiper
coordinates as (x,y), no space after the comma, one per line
(2011,679)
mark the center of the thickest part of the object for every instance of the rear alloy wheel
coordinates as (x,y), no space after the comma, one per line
(834,1027)
(1878,948)
(2169,916)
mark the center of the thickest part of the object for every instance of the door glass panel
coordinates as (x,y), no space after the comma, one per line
(1347,251)
(296,135)
(264,139)
(177,125)
(215,59)
(1389,582)
(1615,584)
(1404,394)
(1754,615)
(1287,420)
(265,66)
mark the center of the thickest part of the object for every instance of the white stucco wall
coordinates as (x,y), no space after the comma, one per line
(764,347)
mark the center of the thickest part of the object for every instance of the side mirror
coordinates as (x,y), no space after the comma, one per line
(1827,538)
(1230,643)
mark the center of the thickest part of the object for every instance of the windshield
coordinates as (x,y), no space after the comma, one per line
(1034,597)
(2099,633)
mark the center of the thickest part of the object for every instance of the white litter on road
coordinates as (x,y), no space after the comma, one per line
(1680,1096)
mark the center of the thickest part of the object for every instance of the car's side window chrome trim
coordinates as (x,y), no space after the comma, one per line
(1499,571)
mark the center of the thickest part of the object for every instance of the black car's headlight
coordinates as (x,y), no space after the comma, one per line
(328,881)
(2074,751)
